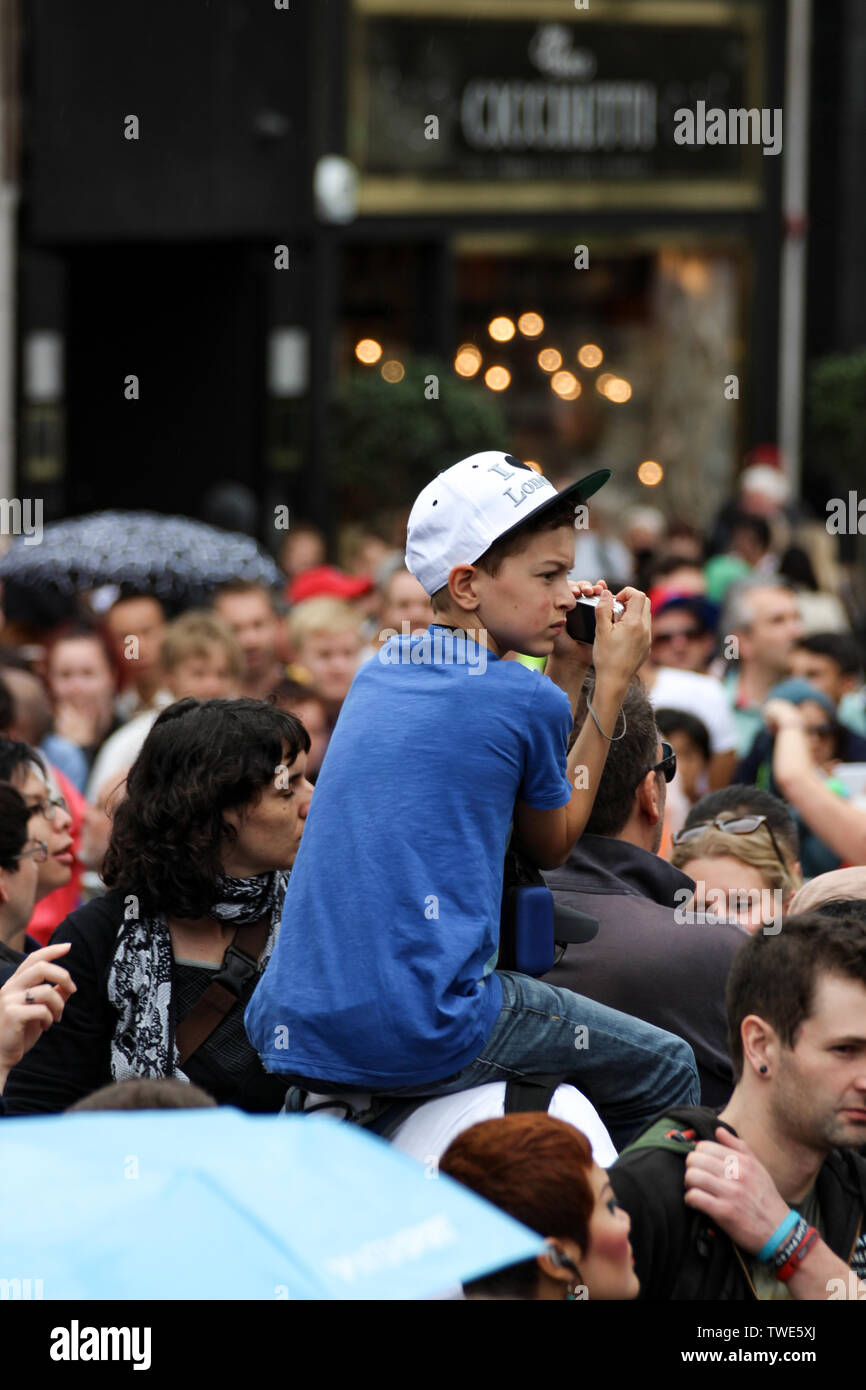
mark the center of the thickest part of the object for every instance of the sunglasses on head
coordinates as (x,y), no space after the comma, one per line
(667,766)
(740,825)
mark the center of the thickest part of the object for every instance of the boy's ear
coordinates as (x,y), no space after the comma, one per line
(463,587)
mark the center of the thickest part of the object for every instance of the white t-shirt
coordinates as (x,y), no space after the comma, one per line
(429,1130)
(702,696)
(119,751)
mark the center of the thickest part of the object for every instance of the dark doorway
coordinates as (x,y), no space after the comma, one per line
(189,323)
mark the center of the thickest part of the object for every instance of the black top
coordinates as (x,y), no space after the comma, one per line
(679,1252)
(10,960)
(644,961)
(73,1058)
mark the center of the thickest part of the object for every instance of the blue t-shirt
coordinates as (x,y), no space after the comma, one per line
(382,974)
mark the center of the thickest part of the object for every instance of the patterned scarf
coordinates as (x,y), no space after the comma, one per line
(139,982)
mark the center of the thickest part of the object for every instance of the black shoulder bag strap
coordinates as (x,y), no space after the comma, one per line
(240,964)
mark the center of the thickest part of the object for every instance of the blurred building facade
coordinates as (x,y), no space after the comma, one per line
(187,306)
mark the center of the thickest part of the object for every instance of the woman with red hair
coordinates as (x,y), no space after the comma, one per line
(541,1171)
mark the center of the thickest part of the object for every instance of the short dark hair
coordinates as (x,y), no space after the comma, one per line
(554,519)
(7,707)
(843,907)
(742,800)
(142,1093)
(560,514)
(836,646)
(14,815)
(233,587)
(679,721)
(201,758)
(757,526)
(669,564)
(14,755)
(130,591)
(628,758)
(774,976)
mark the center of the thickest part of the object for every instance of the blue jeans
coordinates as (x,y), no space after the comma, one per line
(630,1070)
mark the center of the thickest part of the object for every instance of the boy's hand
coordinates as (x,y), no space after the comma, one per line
(621,647)
(565,648)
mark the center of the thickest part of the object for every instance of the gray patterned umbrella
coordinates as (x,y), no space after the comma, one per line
(179,560)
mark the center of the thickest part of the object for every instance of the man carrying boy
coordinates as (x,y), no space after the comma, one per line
(384,976)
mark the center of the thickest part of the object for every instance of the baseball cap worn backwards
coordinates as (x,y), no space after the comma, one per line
(477,501)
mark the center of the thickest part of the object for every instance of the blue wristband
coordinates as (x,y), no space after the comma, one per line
(767,1251)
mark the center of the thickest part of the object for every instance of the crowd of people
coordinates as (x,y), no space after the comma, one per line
(258,855)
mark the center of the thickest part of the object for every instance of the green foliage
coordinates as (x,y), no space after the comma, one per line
(391,440)
(836,429)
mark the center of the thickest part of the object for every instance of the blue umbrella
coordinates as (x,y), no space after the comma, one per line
(220,1204)
(179,560)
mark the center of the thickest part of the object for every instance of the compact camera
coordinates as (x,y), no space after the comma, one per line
(580,622)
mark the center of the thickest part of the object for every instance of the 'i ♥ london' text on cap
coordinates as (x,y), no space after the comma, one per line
(459,515)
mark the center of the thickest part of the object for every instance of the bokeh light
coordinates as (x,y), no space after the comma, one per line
(502,329)
(602,382)
(530,325)
(590,355)
(566,385)
(368,351)
(531,463)
(650,473)
(393,370)
(497,378)
(467,360)
(618,390)
(549,359)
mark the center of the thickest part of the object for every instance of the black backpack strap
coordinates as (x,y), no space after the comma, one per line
(527,1093)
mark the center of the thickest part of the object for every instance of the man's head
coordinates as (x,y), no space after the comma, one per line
(630,801)
(142,617)
(750,538)
(303,549)
(690,739)
(796,1006)
(683,629)
(248,609)
(326,639)
(404,600)
(31,707)
(673,571)
(201,658)
(492,542)
(831,661)
(764,616)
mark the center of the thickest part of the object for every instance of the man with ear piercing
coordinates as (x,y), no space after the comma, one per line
(766,1198)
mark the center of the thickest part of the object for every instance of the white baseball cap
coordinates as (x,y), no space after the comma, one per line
(467,507)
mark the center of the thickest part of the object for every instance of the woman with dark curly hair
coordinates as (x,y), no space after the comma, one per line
(166,961)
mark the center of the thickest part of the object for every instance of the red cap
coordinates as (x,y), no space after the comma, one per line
(326,581)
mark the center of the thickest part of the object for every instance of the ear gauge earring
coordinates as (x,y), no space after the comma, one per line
(763,1071)
(571,1292)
